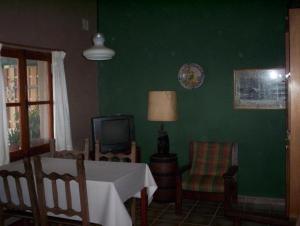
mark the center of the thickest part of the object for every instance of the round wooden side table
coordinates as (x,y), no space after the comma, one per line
(164,171)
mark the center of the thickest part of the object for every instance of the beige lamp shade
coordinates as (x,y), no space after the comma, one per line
(162,106)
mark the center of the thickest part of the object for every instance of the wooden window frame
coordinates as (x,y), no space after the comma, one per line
(22,55)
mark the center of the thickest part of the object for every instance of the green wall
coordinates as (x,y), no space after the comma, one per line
(153,39)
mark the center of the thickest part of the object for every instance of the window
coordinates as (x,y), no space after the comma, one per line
(29,102)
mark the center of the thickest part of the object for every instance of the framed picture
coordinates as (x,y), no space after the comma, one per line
(260,89)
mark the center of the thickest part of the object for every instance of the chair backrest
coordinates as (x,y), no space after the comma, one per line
(128,156)
(70,154)
(212,158)
(67,179)
(21,181)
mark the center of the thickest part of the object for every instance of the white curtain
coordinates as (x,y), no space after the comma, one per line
(4,150)
(62,129)
(42,70)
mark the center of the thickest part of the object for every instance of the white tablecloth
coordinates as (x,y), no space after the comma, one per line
(109,185)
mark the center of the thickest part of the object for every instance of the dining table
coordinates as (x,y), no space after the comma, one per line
(109,185)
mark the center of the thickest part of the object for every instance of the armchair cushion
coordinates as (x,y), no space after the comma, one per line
(202,183)
(211,158)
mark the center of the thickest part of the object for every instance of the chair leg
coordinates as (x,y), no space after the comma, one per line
(178,204)
(178,201)
(1,219)
(235,195)
(133,210)
(26,222)
(236,221)
(36,222)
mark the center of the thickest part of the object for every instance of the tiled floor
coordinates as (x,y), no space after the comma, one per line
(196,213)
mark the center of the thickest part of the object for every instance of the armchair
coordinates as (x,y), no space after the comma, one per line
(210,173)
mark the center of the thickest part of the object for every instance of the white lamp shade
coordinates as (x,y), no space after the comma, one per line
(162,106)
(98,51)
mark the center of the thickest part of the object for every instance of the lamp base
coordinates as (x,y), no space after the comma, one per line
(163,145)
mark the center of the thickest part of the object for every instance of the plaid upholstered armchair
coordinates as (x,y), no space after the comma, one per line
(210,174)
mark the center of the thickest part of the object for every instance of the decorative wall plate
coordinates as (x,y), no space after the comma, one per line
(191,76)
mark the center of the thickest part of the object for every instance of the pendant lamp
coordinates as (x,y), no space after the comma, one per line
(98,51)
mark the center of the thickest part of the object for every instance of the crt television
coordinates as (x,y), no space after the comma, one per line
(115,132)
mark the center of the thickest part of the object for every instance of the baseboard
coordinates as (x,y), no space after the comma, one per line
(262,200)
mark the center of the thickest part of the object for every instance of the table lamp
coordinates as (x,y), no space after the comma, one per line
(162,107)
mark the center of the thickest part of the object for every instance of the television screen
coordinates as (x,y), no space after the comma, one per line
(115,133)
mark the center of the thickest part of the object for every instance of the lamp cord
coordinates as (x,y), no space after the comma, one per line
(161,127)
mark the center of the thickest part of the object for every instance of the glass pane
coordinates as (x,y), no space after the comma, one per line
(14,132)
(11,79)
(38,124)
(37,80)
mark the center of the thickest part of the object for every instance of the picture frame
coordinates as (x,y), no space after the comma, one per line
(260,88)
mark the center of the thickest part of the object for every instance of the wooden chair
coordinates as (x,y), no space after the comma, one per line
(70,154)
(56,209)
(210,174)
(128,156)
(9,207)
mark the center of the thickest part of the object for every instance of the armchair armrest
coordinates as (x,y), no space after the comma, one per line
(180,171)
(184,168)
(230,187)
(231,172)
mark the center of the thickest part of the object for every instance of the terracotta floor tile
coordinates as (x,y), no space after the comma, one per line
(196,213)
(222,221)
(164,223)
(198,219)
